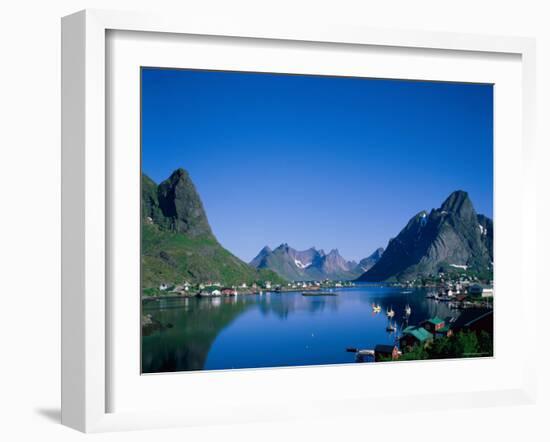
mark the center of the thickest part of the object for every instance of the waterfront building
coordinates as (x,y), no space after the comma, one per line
(415,335)
(229,291)
(383,351)
(433,324)
(480,290)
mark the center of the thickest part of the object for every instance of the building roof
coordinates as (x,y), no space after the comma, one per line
(435,320)
(471,316)
(419,333)
(384,348)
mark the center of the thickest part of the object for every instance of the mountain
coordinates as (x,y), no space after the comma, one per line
(307,265)
(451,237)
(266,251)
(366,263)
(177,242)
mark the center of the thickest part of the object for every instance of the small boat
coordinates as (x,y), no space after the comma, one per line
(316,293)
(376,308)
(406,292)
(390,313)
(408,310)
(391,327)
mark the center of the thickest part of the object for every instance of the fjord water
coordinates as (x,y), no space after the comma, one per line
(276,329)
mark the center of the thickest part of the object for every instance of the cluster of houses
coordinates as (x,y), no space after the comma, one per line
(475,320)
(451,290)
(213,288)
(459,284)
(304,285)
(462,296)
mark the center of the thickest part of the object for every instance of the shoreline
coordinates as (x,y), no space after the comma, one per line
(264,292)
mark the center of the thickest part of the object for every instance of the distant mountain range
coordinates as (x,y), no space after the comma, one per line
(453,237)
(177,242)
(311,264)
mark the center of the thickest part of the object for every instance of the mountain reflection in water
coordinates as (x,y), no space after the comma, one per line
(274,330)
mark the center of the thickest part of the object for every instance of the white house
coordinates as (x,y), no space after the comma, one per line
(479,290)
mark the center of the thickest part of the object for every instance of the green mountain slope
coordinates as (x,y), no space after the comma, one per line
(178,244)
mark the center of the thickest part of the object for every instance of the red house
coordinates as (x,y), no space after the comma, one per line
(229,292)
(384,352)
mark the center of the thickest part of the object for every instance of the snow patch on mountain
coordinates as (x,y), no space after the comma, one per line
(301,265)
(458,266)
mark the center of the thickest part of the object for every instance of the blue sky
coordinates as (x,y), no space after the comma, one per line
(330,162)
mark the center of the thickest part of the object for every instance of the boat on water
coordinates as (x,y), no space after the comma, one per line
(390,313)
(391,327)
(317,293)
(376,308)
(406,292)
(408,310)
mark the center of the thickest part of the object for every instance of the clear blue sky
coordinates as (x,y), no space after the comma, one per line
(330,162)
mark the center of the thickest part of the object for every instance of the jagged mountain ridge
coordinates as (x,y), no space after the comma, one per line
(310,264)
(452,236)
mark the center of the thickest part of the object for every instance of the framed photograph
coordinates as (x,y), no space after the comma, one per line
(267,222)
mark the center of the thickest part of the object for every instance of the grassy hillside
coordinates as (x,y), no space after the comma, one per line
(177,242)
(169,257)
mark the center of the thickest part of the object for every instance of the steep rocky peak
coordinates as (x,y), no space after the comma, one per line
(181,204)
(459,203)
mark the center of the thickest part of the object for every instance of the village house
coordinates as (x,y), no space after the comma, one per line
(385,352)
(480,290)
(445,331)
(461,298)
(228,291)
(210,291)
(181,288)
(434,324)
(163,287)
(414,335)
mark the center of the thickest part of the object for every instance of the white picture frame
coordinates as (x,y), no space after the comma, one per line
(85,198)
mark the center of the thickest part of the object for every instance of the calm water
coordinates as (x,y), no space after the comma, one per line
(273,329)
